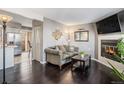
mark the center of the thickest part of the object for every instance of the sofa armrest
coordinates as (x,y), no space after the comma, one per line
(53,51)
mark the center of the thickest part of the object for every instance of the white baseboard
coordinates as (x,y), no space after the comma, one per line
(42,62)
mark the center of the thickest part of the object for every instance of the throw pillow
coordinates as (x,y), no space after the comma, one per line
(66,47)
(62,48)
(57,48)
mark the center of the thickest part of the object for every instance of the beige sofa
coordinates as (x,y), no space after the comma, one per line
(60,54)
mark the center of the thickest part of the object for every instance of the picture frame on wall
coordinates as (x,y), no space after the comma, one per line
(81,36)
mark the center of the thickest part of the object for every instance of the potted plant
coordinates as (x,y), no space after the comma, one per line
(120,49)
(82,54)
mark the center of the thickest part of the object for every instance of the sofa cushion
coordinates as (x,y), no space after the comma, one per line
(62,48)
(70,54)
(66,47)
(71,49)
(75,53)
(65,56)
(57,48)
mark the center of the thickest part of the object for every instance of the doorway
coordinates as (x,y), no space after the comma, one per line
(22,45)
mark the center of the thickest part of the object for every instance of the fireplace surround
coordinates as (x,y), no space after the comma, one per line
(104,59)
(109,49)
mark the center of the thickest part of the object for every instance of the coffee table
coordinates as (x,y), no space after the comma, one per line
(78,58)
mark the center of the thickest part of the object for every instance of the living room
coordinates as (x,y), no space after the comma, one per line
(67,50)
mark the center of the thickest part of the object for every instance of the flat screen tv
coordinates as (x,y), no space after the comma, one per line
(108,25)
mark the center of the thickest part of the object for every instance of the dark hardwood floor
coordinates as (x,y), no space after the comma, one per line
(36,73)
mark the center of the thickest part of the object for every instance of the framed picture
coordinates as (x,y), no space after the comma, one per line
(81,36)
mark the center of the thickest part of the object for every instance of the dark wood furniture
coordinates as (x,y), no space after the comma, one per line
(78,58)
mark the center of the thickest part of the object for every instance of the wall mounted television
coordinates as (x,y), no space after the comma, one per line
(108,25)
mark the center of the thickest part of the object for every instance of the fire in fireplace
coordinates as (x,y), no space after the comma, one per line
(108,49)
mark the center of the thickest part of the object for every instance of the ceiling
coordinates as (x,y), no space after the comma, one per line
(67,16)
(18,18)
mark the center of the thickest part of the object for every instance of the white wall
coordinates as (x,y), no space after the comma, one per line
(9,58)
(50,26)
(88,47)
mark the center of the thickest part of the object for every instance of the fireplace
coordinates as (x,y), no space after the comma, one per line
(108,49)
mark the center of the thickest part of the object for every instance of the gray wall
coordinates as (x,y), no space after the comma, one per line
(88,47)
(50,26)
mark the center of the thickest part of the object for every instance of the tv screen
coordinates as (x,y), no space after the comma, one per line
(108,25)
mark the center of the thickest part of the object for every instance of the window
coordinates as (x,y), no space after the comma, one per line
(81,36)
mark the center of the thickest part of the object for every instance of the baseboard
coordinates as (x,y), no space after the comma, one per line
(42,62)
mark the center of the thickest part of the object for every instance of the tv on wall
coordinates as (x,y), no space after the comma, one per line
(108,25)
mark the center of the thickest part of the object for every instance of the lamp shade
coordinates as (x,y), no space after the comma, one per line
(5,18)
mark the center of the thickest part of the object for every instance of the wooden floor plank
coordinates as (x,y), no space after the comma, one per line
(36,73)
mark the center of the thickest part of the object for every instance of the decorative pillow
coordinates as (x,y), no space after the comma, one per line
(57,48)
(62,48)
(66,47)
(71,49)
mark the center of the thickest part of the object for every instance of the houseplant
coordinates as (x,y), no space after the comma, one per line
(82,54)
(120,49)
